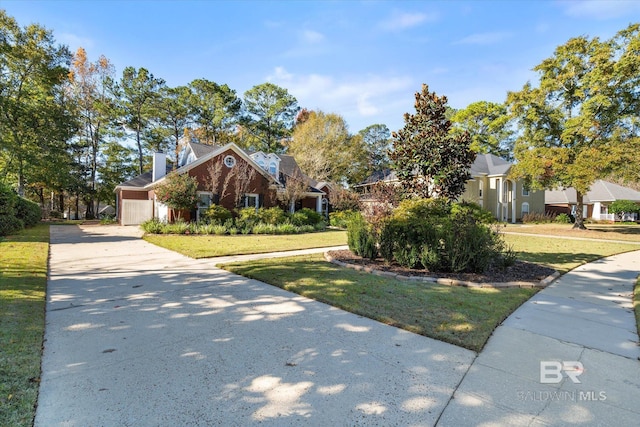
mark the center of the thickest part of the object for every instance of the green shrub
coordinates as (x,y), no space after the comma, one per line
(219,230)
(273,216)
(361,238)
(247,218)
(475,210)
(217,214)
(153,226)
(563,218)
(305,216)
(55,214)
(285,229)
(232,231)
(264,229)
(10,224)
(28,211)
(178,227)
(341,218)
(205,228)
(321,226)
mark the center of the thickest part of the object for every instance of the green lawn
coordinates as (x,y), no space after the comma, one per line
(594,231)
(636,304)
(23,277)
(563,254)
(213,246)
(461,316)
(458,315)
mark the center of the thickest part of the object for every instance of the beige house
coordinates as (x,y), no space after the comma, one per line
(490,187)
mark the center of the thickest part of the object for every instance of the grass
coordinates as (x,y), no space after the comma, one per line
(629,233)
(563,254)
(23,277)
(213,246)
(460,316)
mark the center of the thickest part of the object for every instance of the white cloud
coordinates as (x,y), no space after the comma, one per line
(403,20)
(362,100)
(74,41)
(310,36)
(600,9)
(484,38)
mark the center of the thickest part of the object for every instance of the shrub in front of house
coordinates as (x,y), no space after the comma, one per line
(27,211)
(273,216)
(563,218)
(305,216)
(539,218)
(217,214)
(435,235)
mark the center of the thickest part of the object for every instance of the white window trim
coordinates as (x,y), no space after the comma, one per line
(525,192)
(522,208)
(480,189)
(246,200)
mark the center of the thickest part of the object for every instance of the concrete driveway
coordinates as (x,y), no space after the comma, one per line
(137,335)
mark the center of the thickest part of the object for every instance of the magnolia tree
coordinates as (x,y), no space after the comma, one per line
(178,192)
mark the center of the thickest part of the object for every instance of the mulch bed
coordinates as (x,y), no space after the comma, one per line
(521,271)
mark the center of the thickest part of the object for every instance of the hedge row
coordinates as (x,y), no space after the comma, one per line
(16,212)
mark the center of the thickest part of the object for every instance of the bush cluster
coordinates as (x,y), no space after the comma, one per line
(340,219)
(16,212)
(432,234)
(221,221)
(539,218)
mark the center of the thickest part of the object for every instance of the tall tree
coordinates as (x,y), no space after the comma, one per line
(137,94)
(269,115)
(377,140)
(35,119)
(490,127)
(429,159)
(580,123)
(117,165)
(88,89)
(216,110)
(174,114)
(326,151)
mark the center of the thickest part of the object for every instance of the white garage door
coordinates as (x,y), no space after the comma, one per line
(135,212)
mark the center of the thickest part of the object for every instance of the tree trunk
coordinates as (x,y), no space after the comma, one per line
(579,224)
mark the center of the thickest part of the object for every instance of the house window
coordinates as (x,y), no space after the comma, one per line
(261,163)
(480,188)
(525,192)
(525,208)
(251,201)
(272,168)
(204,201)
(229,161)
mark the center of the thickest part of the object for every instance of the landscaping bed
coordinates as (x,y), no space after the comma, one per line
(521,271)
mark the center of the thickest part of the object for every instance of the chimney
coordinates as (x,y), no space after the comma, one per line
(159,166)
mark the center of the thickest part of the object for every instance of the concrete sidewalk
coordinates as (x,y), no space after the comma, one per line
(137,335)
(585,316)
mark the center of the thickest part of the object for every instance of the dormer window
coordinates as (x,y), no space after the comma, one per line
(272,168)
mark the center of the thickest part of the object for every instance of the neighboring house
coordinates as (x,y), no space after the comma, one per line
(490,187)
(136,201)
(595,203)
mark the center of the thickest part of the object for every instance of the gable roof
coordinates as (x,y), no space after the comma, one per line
(600,191)
(483,165)
(141,181)
(488,164)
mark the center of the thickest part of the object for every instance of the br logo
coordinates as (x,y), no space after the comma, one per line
(552,372)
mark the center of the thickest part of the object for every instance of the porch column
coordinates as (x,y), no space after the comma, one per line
(500,201)
(319,204)
(513,202)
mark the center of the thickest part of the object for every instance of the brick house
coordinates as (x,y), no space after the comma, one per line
(264,184)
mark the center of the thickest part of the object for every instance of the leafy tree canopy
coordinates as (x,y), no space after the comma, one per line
(429,159)
(490,128)
(178,191)
(377,141)
(580,123)
(269,115)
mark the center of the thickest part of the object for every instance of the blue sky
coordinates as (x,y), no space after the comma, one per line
(363,60)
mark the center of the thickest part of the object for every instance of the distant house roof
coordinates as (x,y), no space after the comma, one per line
(601,191)
(483,165)
(488,164)
(142,180)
